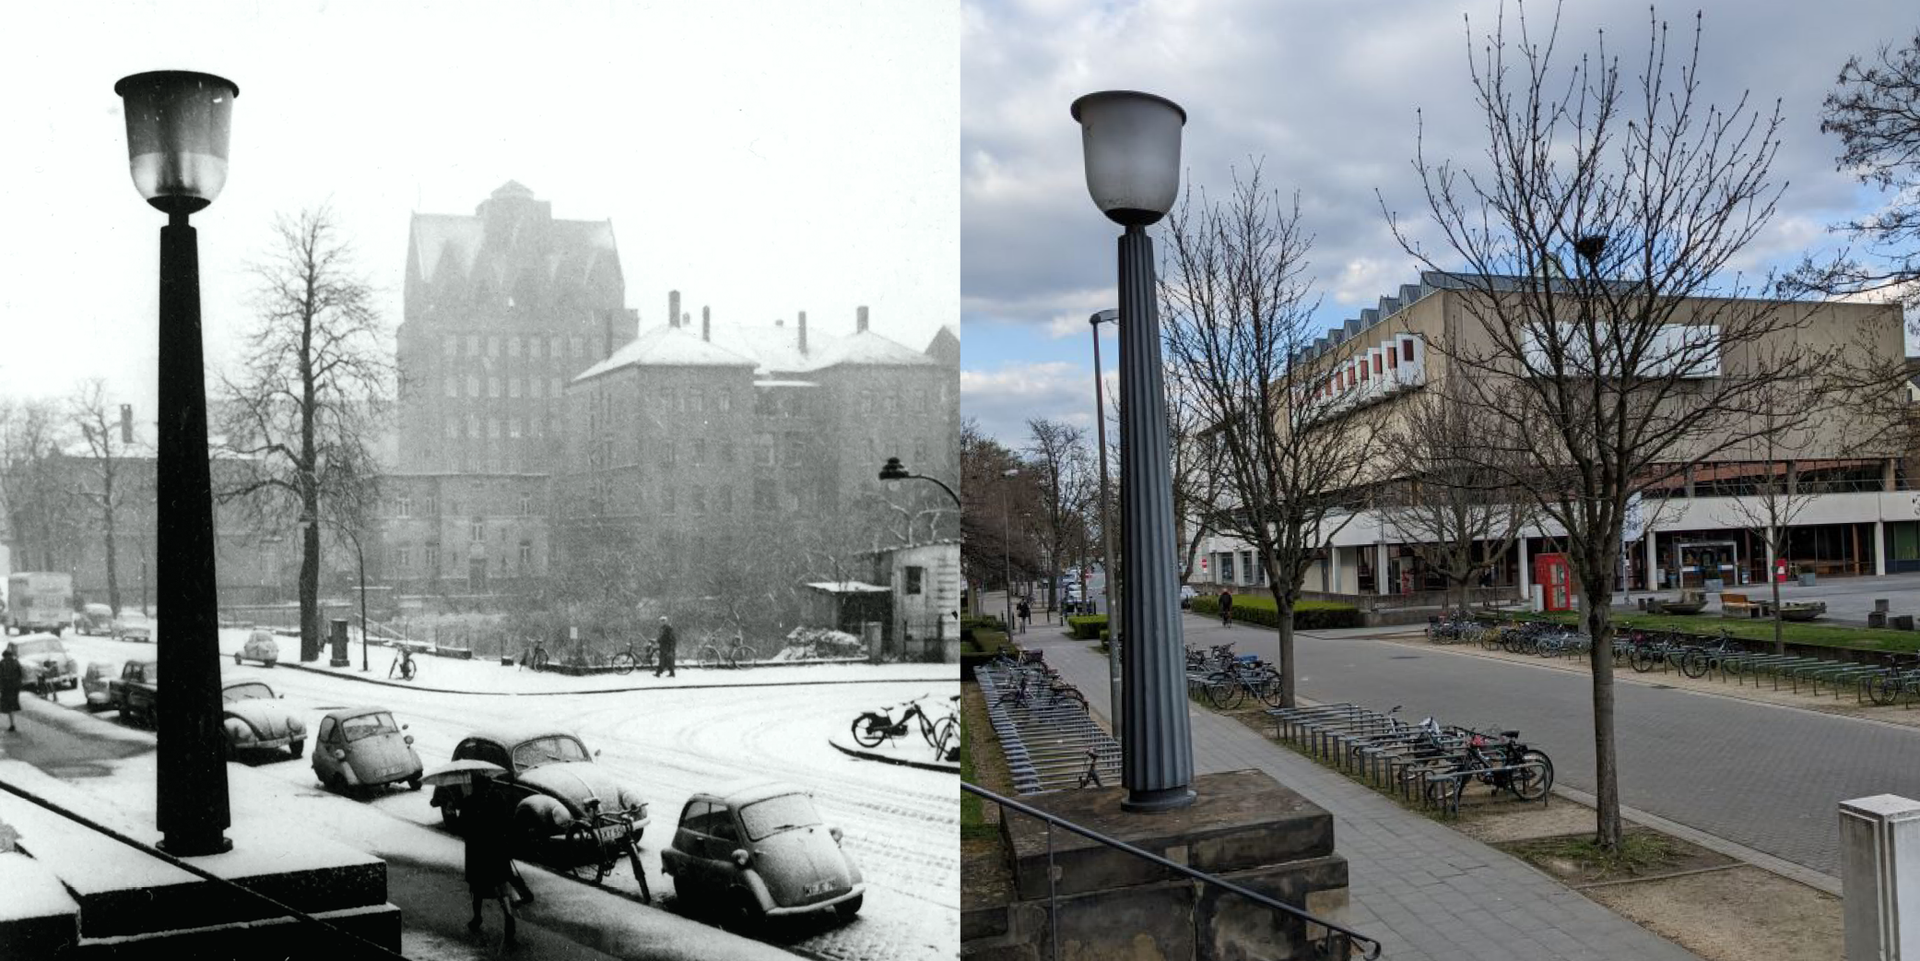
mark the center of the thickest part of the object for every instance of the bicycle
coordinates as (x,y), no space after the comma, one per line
(1896,681)
(1231,685)
(536,657)
(603,839)
(1092,774)
(711,654)
(625,661)
(873,727)
(402,663)
(740,654)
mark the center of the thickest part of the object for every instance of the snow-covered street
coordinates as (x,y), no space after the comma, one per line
(668,740)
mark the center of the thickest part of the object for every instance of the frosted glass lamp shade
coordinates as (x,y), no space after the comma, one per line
(177,129)
(1132,145)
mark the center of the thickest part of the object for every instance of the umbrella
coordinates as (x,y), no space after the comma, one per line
(461,773)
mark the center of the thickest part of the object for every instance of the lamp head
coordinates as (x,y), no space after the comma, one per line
(893,470)
(1131,143)
(178,124)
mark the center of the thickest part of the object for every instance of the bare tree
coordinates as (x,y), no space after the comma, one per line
(301,413)
(37,486)
(1063,473)
(1197,478)
(1237,306)
(106,450)
(1459,517)
(1652,354)
(1875,111)
(992,548)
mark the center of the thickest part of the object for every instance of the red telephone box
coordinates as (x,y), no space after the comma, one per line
(1555,577)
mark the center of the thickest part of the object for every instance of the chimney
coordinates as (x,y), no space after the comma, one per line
(706,323)
(673,308)
(126,423)
(686,319)
(860,327)
(803,333)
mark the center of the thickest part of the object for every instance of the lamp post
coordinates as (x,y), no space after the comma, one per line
(177,131)
(1106,516)
(1131,143)
(1006,543)
(893,470)
(360,556)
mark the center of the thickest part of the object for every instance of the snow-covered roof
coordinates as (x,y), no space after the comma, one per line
(667,347)
(848,587)
(785,383)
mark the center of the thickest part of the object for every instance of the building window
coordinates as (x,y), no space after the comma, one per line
(477,530)
(699,495)
(493,345)
(432,558)
(493,387)
(1246,565)
(727,452)
(764,492)
(526,555)
(526,504)
(513,347)
(533,387)
(669,453)
(513,428)
(693,401)
(579,347)
(539,427)
(726,400)
(1226,568)
(473,385)
(513,387)
(914,576)
(699,452)
(453,428)
(473,425)
(796,448)
(403,507)
(533,348)
(449,346)
(764,456)
(432,505)
(493,428)
(473,345)
(402,557)
(554,383)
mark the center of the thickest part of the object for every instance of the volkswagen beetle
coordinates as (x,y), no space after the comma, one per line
(44,663)
(550,781)
(254,718)
(761,851)
(364,747)
(96,682)
(260,647)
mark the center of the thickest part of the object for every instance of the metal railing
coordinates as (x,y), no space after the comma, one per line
(359,946)
(1338,941)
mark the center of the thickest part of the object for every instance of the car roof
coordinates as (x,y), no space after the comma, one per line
(747,792)
(511,735)
(342,713)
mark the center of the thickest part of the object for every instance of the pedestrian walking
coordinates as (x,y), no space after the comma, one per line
(490,872)
(666,643)
(10,686)
(1026,613)
(1226,608)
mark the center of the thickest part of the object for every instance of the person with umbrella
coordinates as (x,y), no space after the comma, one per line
(490,875)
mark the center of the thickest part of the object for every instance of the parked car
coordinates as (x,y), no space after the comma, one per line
(93,619)
(133,692)
(133,627)
(363,747)
(550,780)
(260,647)
(762,851)
(96,682)
(254,718)
(44,663)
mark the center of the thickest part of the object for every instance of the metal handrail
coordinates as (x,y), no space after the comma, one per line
(1337,935)
(350,938)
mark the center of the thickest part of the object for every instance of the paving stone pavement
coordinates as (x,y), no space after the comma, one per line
(1428,892)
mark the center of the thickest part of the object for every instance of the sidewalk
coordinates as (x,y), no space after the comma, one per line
(1428,892)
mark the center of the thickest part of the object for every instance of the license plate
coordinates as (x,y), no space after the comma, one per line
(818,888)
(611,832)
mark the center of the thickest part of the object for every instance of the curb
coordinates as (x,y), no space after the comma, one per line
(409,685)
(943,767)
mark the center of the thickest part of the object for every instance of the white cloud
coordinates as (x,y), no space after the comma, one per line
(1003,400)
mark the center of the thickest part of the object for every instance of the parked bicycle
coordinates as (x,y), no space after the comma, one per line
(402,663)
(634,656)
(1897,681)
(1091,776)
(1228,687)
(873,727)
(596,843)
(535,657)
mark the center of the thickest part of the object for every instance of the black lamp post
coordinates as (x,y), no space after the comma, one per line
(1106,516)
(177,130)
(893,470)
(1131,143)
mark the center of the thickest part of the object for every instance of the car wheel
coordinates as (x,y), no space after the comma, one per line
(744,910)
(236,659)
(298,747)
(850,907)
(337,784)
(413,783)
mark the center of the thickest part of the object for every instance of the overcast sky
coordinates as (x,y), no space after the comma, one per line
(760,157)
(1324,92)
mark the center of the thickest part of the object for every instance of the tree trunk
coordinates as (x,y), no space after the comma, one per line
(1779,639)
(113,566)
(1599,616)
(1284,627)
(310,584)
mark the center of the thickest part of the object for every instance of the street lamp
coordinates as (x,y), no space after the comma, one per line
(1006,542)
(360,556)
(1106,516)
(177,130)
(893,470)
(1131,143)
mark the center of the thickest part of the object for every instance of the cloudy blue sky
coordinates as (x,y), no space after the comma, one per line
(1324,93)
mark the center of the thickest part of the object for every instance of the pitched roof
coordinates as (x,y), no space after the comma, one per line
(667,347)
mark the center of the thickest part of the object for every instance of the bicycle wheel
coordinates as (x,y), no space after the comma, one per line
(1693,663)
(408,669)
(710,656)
(585,859)
(743,656)
(1269,689)
(1070,695)
(869,730)
(1532,784)
(539,660)
(939,733)
(1883,689)
(1224,691)
(1643,659)
(623,663)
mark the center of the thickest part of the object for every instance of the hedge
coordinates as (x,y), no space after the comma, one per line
(1088,627)
(1307,614)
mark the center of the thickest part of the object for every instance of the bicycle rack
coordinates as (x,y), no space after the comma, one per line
(1045,744)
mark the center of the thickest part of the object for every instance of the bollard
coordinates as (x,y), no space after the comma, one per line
(339,637)
(1880,877)
(1880,604)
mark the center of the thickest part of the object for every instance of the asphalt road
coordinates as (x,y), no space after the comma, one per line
(1767,777)
(901,824)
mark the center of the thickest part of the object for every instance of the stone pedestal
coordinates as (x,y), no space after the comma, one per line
(1245,828)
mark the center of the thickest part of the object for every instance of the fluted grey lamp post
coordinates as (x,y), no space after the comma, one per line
(177,130)
(1132,145)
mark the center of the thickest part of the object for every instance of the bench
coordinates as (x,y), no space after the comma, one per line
(1737,605)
